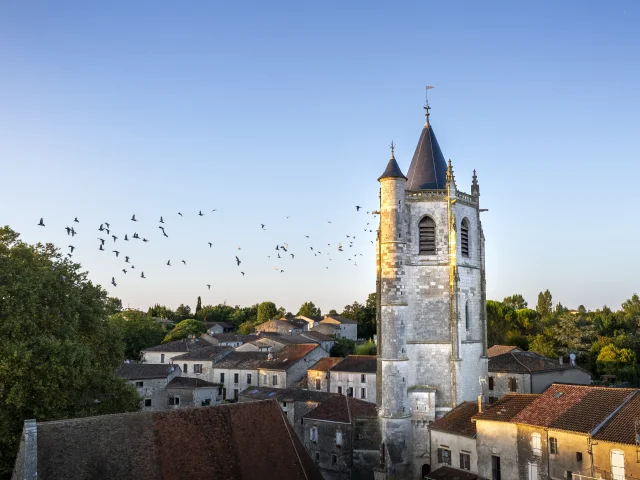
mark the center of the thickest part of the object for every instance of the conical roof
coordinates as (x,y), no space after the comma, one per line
(392,170)
(428,170)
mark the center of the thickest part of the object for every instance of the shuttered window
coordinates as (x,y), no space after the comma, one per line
(464,237)
(427,230)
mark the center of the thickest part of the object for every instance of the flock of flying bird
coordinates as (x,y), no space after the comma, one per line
(279,249)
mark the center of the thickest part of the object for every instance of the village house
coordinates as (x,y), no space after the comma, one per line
(355,376)
(236,372)
(496,350)
(151,381)
(199,363)
(263,344)
(295,403)
(329,329)
(527,372)
(273,342)
(312,320)
(215,328)
(191,392)
(318,377)
(325,341)
(347,328)
(240,441)
(166,351)
(342,436)
(283,326)
(230,339)
(288,366)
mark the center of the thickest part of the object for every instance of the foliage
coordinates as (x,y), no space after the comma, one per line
(185,329)
(160,311)
(545,303)
(267,311)
(246,328)
(343,347)
(114,305)
(365,315)
(515,301)
(198,305)
(367,348)
(308,309)
(611,359)
(138,331)
(183,311)
(58,352)
(542,345)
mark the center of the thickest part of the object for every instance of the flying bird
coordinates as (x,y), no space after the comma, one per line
(117,253)
(161,220)
(133,218)
(279,256)
(126,259)
(169,262)
(76,220)
(200,213)
(69,255)
(307,236)
(262,225)
(126,238)
(145,240)
(142,275)
(68,229)
(135,235)
(113,282)
(41,224)
(133,266)
(238,261)
(358,207)
(102,240)
(180,214)
(214,209)
(125,272)
(114,238)
(73,232)
(101,249)
(292,257)
(208,286)
(72,248)
(101,228)
(210,244)
(184,262)
(242,273)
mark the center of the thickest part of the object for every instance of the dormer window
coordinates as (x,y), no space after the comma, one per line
(427,241)
(464,237)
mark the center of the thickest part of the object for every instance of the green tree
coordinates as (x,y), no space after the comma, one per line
(367,348)
(542,345)
(114,305)
(138,330)
(308,309)
(343,347)
(161,311)
(58,352)
(545,304)
(515,301)
(185,329)
(246,328)
(612,359)
(500,320)
(365,315)
(183,311)
(198,305)
(267,311)
(333,311)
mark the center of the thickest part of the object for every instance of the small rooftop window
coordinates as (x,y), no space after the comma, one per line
(272,394)
(558,395)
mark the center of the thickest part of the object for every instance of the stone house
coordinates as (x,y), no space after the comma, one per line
(527,372)
(215,328)
(453,440)
(347,328)
(328,329)
(283,326)
(288,366)
(318,377)
(325,341)
(295,403)
(151,381)
(496,350)
(343,438)
(200,363)
(237,372)
(250,441)
(355,376)
(165,352)
(191,392)
(230,339)
(262,344)
(312,320)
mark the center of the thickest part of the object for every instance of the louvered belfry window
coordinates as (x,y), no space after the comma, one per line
(427,229)
(464,237)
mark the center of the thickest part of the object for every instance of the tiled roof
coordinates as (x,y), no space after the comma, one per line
(500,349)
(325,364)
(357,364)
(188,382)
(286,394)
(525,362)
(221,324)
(326,328)
(577,408)
(428,169)
(317,336)
(458,421)
(621,428)
(142,371)
(212,352)
(286,323)
(184,345)
(507,407)
(244,441)
(291,339)
(315,318)
(241,360)
(342,409)
(339,319)
(230,337)
(449,473)
(288,356)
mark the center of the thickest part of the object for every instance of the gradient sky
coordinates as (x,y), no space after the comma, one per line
(270,109)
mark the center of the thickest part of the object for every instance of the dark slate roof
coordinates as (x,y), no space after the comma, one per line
(288,356)
(340,319)
(212,352)
(221,324)
(325,364)
(184,345)
(428,169)
(525,362)
(245,441)
(317,336)
(286,394)
(576,408)
(291,339)
(241,360)
(315,318)
(342,409)
(144,371)
(449,473)
(507,407)
(392,170)
(621,428)
(357,364)
(458,421)
(231,337)
(496,350)
(188,382)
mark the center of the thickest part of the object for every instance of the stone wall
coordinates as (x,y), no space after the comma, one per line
(353,380)
(499,439)
(602,459)
(526,455)
(501,384)
(456,444)
(334,462)
(324,377)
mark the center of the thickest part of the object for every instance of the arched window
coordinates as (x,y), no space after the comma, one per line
(427,228)
(466,315)
(464,237)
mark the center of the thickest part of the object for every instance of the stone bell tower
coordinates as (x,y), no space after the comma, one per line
(432,348)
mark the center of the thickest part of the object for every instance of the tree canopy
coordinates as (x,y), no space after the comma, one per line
(138,331)
(308,309)
(185,329)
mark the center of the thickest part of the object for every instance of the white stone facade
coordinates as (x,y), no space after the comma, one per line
(341,382)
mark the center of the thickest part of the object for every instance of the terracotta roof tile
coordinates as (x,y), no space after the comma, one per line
(358,364)
(343,409)
(621,428)
(500,349)
(288,356)
(525,362)
(458,421)
(141,371)
(325,364)
(506,408)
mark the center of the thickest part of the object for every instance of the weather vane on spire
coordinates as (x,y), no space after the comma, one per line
(393,146)
(426,96)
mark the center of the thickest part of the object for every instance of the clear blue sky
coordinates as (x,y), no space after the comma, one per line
(269,109)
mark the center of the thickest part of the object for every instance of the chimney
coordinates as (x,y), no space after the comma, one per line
(480,403)
(30,449)
(561,360)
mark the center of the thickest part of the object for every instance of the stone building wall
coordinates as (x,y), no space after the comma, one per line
(499,439)
(526,455)
(334,462)
(501,384)
(602,459)
(324,377)
(353,380)
(456,444)
(298,371)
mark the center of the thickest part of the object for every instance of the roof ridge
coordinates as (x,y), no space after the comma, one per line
(514,357)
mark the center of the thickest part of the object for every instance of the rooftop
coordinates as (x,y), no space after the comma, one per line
(231,337)
(621,428)
(183,345)
(317,336)
(357,364)
(507,407)
(525,362)
(168,445)
(339,319)
(450,473)
(241,360)
(221,324)
(286,394)
(144,371)
(325,364)
(458,421)
(190,383)
(212,352)
(288,356)
(428,169)
(500,349)
(343,409)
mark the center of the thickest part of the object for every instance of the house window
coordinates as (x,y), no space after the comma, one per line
(579,457)
(465,461)
(185,368)
(236,377)
(339,438)
(536,444)
(533,471)
(490,383)
(466,315)
(363,378)
(513,384)
(553,445)
(569,475)
(340,376)
(350,392)
(174,401)
(147,402)
(464,237)
(235,393)
(248,379)
(313,434)
(275,380)
(427,241)
(444,456)
(224,393)
(317,456)
(495,468)
(221,377)
(162,358)
(334,459)
(340,390)
(363,393)
(617,465)
(219,390)
(318,383)
(139,384)
(264,380)
(197,368)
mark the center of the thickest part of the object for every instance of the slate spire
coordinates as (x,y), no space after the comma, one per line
(392,170)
